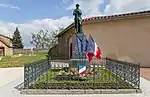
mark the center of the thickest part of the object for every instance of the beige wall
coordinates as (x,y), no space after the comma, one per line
(7,51)
(63,43)
(130,37)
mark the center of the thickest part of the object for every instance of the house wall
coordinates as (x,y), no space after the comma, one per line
(8,51)
(63,43)
(129,37)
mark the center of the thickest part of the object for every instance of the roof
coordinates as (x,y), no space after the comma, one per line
(4,41)
(108,18)
(5,36)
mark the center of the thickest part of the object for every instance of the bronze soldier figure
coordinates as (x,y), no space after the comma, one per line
(78,19)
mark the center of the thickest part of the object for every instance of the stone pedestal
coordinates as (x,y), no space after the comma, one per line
(78,51)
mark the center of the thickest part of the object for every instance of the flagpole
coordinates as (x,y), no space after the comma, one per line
(82,51)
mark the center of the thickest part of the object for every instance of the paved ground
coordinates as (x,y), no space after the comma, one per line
(145,73)
(9,74)
(16,74)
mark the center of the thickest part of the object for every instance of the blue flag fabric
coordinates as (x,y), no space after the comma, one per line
(90,45)
(82,43)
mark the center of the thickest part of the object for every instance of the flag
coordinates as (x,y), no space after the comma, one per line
(93,49)
(81,42)
(82,69)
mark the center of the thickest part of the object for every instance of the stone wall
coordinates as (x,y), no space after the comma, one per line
(30,51)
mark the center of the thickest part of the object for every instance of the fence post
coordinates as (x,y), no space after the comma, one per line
(69,76)
(40,72)
(47,69)
(139,75)
(32,73)
(124,72)
(131,80)
(116,75)
(25,80)
(107,66)
(49,62)
(94,77)
(27,76)
(35,72)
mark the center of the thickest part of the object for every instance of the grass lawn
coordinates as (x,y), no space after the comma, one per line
(105,80)
(19,61)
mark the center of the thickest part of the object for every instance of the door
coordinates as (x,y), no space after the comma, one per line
(2,51)
(70,50)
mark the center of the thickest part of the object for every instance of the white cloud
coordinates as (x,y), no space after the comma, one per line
(65,1)
(89,7)
(123,6)
(9,6)
(34,26)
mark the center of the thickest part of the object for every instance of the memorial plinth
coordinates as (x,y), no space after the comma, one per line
(79,51)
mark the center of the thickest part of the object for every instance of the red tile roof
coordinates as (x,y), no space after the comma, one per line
(111,17)
(117,16)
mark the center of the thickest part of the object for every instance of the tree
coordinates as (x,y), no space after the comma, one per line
(54,38)
(40,39)
(17,40)
(44,39)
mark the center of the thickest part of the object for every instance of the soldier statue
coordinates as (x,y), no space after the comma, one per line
(78,19)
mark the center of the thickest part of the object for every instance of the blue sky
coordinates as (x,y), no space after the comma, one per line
(37,9)
(33,15)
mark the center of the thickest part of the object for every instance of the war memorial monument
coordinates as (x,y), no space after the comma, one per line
(55,75)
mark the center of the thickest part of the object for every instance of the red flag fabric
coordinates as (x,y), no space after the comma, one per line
(93,49)
(90,56)
(97,52)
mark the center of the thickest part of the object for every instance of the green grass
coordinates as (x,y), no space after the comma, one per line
(19,61)
(106,80)
(105,76)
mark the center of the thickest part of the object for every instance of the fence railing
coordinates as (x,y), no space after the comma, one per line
(128,72)
(32,72)
(57,73)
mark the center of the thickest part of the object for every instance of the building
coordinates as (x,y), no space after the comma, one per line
(119,36)
(6,48)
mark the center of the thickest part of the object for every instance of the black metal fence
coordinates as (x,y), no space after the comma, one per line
(33,71)
(57,73)
(127,72)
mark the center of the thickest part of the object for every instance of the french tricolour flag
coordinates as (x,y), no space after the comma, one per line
(82,69)
(93,49)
